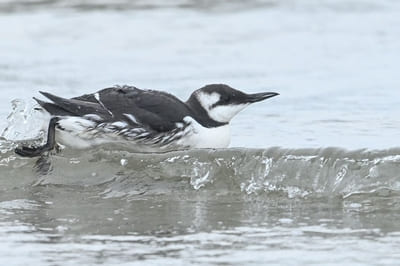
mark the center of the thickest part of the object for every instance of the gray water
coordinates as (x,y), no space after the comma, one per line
(312,176)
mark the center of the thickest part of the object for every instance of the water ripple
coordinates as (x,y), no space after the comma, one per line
(294,172)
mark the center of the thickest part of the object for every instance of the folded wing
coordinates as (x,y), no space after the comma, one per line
(155,110)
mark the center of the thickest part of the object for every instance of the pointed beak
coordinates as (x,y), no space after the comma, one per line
(257,97)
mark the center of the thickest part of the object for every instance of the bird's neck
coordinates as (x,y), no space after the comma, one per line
(200,114)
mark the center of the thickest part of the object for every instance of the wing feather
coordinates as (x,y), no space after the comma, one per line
(75,107)
(158,110)
(155,110)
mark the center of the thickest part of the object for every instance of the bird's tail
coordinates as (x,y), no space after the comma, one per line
(52,108)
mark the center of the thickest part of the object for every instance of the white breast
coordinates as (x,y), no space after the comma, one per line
(202,137)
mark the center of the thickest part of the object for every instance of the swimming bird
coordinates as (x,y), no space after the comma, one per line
(146,120)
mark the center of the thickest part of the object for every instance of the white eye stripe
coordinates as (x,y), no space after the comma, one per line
(207,100)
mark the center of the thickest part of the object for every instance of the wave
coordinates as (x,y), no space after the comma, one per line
(292,172)
(116,171)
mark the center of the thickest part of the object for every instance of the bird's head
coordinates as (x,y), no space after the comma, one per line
(222,102)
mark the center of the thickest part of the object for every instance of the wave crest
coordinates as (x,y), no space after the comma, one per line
(293,172)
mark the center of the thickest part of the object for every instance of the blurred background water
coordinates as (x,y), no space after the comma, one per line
(335,64)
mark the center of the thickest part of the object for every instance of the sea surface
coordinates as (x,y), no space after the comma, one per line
(312,177)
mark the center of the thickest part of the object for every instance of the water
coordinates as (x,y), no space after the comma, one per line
(312,176)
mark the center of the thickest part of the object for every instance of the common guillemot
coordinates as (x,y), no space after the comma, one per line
(147,120)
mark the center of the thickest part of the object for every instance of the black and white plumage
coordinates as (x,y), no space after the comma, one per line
(147,120)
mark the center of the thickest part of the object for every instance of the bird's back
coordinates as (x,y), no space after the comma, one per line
(156,110)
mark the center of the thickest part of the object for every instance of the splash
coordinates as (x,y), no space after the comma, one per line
(25,122)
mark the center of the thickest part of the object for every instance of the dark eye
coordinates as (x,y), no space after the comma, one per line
(224,99)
